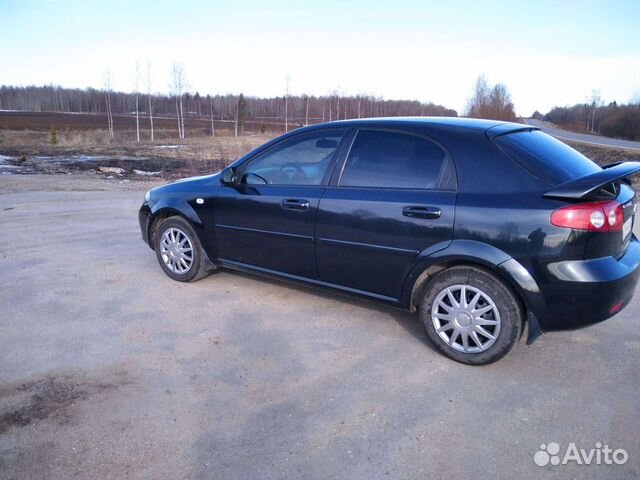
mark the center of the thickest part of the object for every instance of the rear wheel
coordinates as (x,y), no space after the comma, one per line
(179,252)
(470,315)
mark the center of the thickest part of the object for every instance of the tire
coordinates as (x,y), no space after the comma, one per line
(489,306)
(177,264)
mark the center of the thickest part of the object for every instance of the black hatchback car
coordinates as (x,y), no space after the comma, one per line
(483,227)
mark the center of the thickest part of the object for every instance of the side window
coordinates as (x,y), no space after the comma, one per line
(396,160)
(301,161)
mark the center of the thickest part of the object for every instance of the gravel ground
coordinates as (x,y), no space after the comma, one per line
(108,369)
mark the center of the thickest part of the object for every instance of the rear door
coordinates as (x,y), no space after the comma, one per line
(267,220)
(393,198)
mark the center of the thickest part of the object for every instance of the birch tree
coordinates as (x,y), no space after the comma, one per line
(237,118)
(595,102)
(213,129)
(240,114)
(306,112)
(178,85)
(107,95)
(137,92)
(148,79)
(287,79)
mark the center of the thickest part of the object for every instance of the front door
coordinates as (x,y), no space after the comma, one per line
(268,219)
(394,199)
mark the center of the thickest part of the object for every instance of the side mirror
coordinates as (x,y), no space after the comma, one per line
(228,176)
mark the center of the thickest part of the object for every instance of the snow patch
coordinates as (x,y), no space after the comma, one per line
(148,174)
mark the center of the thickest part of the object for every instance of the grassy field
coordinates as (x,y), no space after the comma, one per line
(125,125)
(26,137)
(45,133)
(81,142)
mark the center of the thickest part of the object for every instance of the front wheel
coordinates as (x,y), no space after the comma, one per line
(179,252)
(470,315)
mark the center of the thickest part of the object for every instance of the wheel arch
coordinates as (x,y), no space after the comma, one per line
(488,257)
(167,208)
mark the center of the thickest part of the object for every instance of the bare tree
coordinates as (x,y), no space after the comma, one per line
(107,95)
(149,96)
(240,114)
(178,87)
(335,94)
(287,79)
(595,102)
(479,100)
(236,118)
(490,102)
(137,92)
(306,112)
(500,100)
(213,129)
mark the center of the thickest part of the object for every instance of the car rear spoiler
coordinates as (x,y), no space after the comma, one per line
(584,186)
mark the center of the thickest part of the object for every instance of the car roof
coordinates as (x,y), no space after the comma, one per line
(456,122)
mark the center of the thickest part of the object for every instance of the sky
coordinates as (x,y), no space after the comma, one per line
(547,53)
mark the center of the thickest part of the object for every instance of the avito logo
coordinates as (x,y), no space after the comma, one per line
(600,455)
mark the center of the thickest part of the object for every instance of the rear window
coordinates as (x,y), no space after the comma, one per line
(546,158)
(396,160)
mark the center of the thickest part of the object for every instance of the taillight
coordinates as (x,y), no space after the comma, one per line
(592,216)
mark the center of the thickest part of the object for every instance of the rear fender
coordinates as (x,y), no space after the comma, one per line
(457,252)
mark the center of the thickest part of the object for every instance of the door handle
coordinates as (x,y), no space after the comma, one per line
(295,204)
(422,212)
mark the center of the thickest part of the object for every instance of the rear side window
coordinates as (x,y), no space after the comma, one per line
(396,160)
(544,157)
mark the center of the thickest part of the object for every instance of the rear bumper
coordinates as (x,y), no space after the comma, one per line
(583,292)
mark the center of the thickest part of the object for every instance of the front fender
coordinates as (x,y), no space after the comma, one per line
(441,256)
(176,206)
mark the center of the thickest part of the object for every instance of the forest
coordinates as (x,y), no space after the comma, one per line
(611,120)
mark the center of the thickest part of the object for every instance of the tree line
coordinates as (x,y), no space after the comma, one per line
(295,109)
(611,120)
(290,111)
